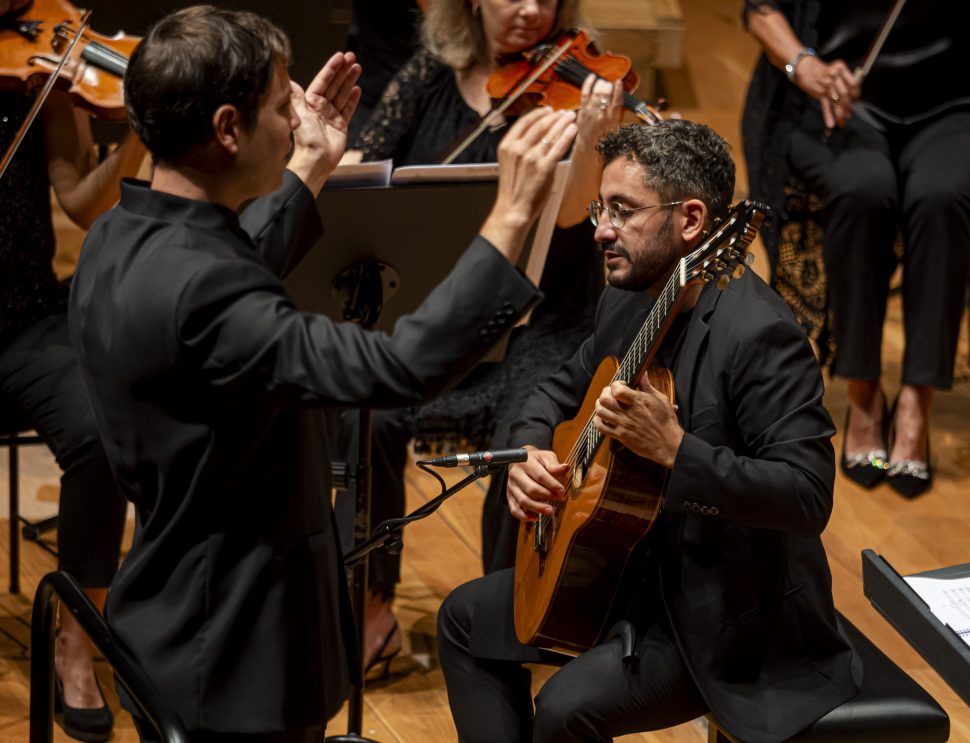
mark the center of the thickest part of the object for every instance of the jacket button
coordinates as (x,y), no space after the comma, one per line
(705,510)
(714,511)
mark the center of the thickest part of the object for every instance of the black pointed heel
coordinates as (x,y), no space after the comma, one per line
(91,725)
(909,477)
(869,469)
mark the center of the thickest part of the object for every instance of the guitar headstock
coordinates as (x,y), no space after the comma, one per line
(724,253)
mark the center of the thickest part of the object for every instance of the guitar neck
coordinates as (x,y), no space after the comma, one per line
(642,350)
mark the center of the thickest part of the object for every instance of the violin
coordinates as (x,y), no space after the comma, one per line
(552,74)
(33,41)
(573,58)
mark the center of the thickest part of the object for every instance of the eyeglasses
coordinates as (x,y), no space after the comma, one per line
(618,214)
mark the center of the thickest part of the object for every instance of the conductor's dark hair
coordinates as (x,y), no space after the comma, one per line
(191,62)
(681,159)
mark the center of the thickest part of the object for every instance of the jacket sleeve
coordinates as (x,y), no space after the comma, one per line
(237,326)
(559,397)
(782,474)
(283,225)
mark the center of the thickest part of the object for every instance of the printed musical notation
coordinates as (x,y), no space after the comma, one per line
(948,599)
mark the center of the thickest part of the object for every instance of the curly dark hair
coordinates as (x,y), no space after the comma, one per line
(191,62)
(681,159)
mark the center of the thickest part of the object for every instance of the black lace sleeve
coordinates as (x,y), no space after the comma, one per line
(396,115)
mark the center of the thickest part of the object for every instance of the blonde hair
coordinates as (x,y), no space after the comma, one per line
(454,34)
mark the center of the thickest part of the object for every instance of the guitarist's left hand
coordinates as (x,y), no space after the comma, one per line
(642,420)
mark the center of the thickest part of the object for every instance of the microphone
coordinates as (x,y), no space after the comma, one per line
(497,458)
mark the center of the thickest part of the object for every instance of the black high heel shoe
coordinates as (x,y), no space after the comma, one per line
(82,724)
(382,656)
(869,468)
(909,477)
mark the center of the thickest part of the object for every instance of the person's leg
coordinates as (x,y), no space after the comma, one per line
(490,700)
(851,171)
(39,374)
(390,434)
(934,163)
(595,697)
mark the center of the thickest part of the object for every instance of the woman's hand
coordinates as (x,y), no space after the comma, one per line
(832,84)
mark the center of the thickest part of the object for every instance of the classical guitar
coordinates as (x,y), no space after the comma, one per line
(568,564)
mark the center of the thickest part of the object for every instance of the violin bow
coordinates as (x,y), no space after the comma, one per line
(492,116)
(42,96)
(862,70)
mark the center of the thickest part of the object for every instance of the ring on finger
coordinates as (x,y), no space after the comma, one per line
(834,97)
(546,141)
(603,104)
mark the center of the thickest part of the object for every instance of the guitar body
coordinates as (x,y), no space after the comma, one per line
(564,589)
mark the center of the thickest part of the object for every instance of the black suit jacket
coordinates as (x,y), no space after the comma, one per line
(743,573)
(209,388)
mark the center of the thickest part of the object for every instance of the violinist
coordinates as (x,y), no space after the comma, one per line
(886,154)
(432,103)
(39,377)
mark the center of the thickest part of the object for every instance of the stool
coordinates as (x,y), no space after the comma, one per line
(889,708)
(13,435)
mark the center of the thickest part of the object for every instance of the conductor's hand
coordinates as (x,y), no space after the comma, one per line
(832,84)
(642,420)
(324,111)
(533,483)
(527,157)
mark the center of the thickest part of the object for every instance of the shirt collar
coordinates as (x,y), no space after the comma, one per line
(138,197)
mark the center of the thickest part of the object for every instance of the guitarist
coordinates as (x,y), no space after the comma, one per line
(729,597)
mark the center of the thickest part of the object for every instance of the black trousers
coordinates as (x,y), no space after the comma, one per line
(390,434)
(872,182)
(41,381)
(593,697)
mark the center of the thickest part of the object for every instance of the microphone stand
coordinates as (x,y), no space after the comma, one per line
(388,534)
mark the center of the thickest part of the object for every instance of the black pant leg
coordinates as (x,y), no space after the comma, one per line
(490,700)
(934,165)
(390,434)
(851,170)
(39,375)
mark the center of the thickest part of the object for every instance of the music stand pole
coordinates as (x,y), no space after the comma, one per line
(365,309)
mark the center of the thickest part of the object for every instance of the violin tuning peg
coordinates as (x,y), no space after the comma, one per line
(739,270)
(723,280)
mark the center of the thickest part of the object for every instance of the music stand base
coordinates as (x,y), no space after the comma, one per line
(348,738)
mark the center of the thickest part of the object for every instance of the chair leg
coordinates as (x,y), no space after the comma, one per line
(14,521)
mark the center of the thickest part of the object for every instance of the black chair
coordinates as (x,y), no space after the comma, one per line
(890,708)
(14,433)
(129,675)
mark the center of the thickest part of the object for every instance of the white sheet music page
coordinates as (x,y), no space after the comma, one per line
(948,599)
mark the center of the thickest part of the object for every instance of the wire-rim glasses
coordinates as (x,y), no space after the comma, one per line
(618,214)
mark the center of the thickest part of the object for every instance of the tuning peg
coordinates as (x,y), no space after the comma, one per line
(748,259)
(723,280)
(739,271)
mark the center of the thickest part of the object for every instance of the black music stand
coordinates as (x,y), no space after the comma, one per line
(384,249)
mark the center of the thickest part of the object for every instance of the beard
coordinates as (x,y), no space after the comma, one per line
(652,262)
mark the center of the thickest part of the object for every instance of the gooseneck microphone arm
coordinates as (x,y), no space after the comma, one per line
(387,534)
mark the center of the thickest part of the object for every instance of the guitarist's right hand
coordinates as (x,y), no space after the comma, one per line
(534,482)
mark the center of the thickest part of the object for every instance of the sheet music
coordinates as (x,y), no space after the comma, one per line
(948,599)
(356,175)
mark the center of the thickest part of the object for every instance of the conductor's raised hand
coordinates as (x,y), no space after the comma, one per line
(533,483)
(324,111)
(527,157)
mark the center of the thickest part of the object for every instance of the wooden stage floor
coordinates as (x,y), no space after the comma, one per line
(443,551)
